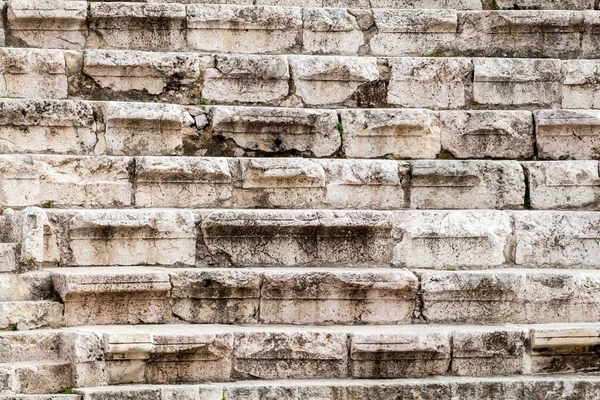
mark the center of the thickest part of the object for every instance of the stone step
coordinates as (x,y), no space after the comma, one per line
(35,377)
(320,238)
(30,346)
(26,315)
(40,396)
(276,30)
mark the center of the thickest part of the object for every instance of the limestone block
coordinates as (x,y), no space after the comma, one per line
(123,237)
(547,4)
(289,353)
(29,346)
(489,351)
(182,182)
(33,73)
(47,126)
(472,184)
(48,24)
(144,75)
(144,129)
(563,184)
(330,31)
(9,256)
(568,134)
(137,26)
(27,228)
(20,181)
(274,130)
(337,297)
(448,239)
(27,286)
(85,350)
(580,85)
(437,4)
(330,80)
(247,79)
(365,184)
(243,29)
(35,377)
(487,134)
(506,82)
(555,238)
(26,315)
(419,32)
(399,353)
(151,392)
(438,83)
(397,133)
(591,35)
(216,296)
(520,33)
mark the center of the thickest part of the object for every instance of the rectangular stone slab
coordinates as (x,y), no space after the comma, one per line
(568,134)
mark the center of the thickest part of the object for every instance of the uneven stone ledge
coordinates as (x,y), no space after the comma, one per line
(258,29)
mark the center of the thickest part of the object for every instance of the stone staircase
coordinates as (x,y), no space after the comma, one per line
(285,199)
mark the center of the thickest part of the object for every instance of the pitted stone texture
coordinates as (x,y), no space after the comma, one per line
(568,134)
(331,31)
(449,184)
(27,227)
(26,315)
(591,35)
(414,32)
(396,133)
(580,85)
(546,4)
(137,26)
(517,82)
(243,29)
(35,377)
(274,130)
(438,83)
(488,134)
(329,80)
(247,79)
(25,287)
(563,185)
(121,237)
(451,239)
(48,24)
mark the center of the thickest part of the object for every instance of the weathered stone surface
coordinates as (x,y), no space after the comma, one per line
(247,79)
(472,184)
(329,80)
(35,377)
(26,315)
(438,83)
(487,134)
(546,4)
(413,32)
(580,84)
(29,346)
(27,228)
(517,82)
(443,4)
(568,134)
(243,29)
(563,184)
(591,35)
(330,31)
(396,133)
(449,239)
(24,287)
(137,26)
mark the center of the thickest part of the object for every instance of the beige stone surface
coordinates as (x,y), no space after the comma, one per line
(330,31)
(567,134)
(35,377)
(548,4)
(590,39)
(580,84)
(27,315)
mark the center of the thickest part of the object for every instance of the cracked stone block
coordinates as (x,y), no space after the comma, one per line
(48,24)
(121,237)
(96,296)
(25,228)
(489,351)
(9,256)
(399,353)
(331,31)
(517,82)
(419,32)
(289,353)
(216,296)
(581,84)
(591,35)
(397,133)
(337,297)
(438,83)
(450,239)
(35,377)
(563,184)
(47,126)
(559,239)
(252,79)
(520,33)
(487,134)
(472,184)
(33,73)
(547,4)
(276,130)
(29,346)
(28,286)
(144,129)
(27,315)
(137,26)
(331,80)
(182,182)
(436,4)
(568,134)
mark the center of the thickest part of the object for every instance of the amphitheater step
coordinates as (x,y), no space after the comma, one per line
(40,396)
(23,347)
(25,315)
(35,377)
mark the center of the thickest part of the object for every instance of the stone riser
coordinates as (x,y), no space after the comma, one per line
(277,30)
(35,377)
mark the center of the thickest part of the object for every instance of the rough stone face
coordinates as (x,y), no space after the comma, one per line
(471,184)
(34,378)
(517,82)
(591,35)
(580,84)
(487,134)
(26,315)
(547,4)
(26,227)
(438,83)
(568,134)
(396,133)
(330,31)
